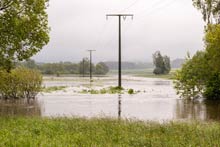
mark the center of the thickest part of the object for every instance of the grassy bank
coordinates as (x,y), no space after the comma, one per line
(147,73)
(62,132)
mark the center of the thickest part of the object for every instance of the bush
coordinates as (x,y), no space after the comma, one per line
(131,91)
(20,83)
(101,69)
(190,81)
(212,91)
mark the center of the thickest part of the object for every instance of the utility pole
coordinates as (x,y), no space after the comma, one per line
(83,67)
(90,51)
(119,42)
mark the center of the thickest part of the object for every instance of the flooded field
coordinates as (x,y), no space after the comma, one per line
(156,101)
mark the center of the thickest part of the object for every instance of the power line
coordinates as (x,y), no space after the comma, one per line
(131,5)
(156,6)
(162,7)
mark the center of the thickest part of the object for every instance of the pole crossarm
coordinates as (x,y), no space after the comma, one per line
(120,15)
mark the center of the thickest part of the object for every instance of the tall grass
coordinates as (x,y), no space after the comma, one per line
(79,132)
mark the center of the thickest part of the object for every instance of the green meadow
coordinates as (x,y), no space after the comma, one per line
(105,132)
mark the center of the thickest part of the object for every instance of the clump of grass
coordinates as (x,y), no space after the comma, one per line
(63,132)
(115,90)
(53,88)
(103,91)
(130,91)
(84,91)
(93,91)
(109,90)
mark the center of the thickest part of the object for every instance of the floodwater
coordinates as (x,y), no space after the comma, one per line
(157,101)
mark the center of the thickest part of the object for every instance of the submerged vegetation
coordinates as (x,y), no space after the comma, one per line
(65,132)
(109,90)
(200,74)
(53,88)
(20,83)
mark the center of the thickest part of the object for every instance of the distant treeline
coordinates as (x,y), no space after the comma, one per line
(129,65)
(100,68)
(83,67)
(177,63)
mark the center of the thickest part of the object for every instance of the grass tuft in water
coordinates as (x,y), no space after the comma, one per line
(109,90)
(54,88)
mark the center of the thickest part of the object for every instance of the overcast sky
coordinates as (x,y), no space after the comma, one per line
(171,26)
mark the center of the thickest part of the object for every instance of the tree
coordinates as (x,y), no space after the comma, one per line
(212,42)
(210,9)
(84,66)
(158,62)
(191,79)
(30,64)
(23,30)
(200,75)
(162,64)
(167,65)
(101,68)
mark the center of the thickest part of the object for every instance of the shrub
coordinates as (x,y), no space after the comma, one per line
(131,91)
(212,91)
(20,83)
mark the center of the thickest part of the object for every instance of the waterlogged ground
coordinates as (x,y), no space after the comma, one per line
(155,100)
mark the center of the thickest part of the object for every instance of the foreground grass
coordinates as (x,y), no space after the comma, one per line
(63,132)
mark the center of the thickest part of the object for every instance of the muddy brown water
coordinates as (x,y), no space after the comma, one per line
(157,102)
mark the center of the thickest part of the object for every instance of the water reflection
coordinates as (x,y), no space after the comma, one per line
(160,83)
(19,108)
(136,106)
(158,102)
(119,106)
(198,110)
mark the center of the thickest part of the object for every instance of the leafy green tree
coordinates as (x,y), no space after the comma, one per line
(158,62)
(23,30)
(167,65)
(20,83)
(210,9)
(212,42)
(191,79)
(101,68)
(200,75)
(162,64)
(212,90)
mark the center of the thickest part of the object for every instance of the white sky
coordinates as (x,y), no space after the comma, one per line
(171,26)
